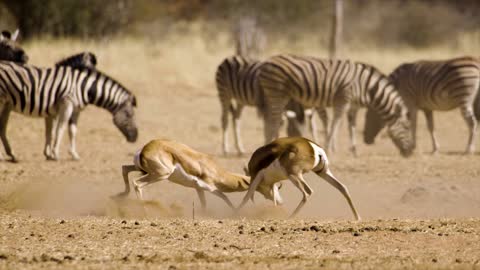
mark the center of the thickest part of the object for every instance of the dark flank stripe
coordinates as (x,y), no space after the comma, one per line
(93,88)
(37,75)
(103,92)
(19,91)
(50,90)
(6,83)
(42,90)
(83,85)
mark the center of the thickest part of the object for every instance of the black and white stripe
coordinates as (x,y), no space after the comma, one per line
(57,92)
(237,85)
(435,86)
(342,84)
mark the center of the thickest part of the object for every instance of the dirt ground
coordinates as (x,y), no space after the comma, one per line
(421,212)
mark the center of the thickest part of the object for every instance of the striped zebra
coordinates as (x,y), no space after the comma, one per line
(55,93)
(237,85)
(435,86)
(10,50)
(342,84)
(250,39)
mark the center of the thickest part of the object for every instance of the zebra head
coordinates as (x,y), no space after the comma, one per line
(399,130)
(124,119)
(10,50)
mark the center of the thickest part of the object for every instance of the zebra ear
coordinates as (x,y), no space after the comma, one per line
(5,35)
(15,35)
(134,101)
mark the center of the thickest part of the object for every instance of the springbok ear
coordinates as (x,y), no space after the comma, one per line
(134,101)
(15,35)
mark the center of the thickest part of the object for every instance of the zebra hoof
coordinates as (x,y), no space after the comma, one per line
(75,156)
(51,158)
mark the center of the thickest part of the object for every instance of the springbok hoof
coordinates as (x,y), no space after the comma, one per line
(12,160)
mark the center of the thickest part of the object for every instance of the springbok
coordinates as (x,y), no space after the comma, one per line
(290,158)
(164,159)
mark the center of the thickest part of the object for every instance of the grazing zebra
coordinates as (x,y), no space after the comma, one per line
(237,83)
(250,39)
(56,93)
(342,84)
(9,49)
(435,86)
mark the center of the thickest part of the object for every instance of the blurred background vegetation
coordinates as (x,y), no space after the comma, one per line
(393,23)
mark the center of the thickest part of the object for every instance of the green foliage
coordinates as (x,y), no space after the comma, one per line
(69,17)
(416,23)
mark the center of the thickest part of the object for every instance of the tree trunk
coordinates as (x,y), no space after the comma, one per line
(337,27)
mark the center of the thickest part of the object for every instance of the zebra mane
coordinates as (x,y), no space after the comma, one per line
(84,60)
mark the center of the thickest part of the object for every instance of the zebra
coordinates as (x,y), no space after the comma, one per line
(55,93)
(435,86)
(237,85)
(10,50)
(249,38)
(342,84)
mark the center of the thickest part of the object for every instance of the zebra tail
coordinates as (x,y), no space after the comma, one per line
(476,105)
(261,104)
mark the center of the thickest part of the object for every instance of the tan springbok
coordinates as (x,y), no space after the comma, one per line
(290,158)
(164,159)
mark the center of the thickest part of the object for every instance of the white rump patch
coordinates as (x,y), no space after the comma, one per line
(317,152)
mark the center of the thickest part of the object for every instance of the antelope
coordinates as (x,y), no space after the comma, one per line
(164,159)
(290,158)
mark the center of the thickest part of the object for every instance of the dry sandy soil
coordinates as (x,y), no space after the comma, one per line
(421,212)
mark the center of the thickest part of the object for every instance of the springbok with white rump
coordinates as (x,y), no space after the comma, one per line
(290,158)
(164,159)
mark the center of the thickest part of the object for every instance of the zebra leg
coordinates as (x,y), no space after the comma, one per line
(413,117)
(352,121)
(236,125)
(225,111)
(429,118)
(5,114)
(47,151)
(469,117)
(64,112)
(72,133)
(273,117)
(322,113)
(337,117)
(312,124)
